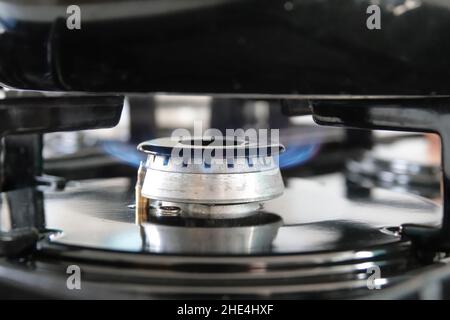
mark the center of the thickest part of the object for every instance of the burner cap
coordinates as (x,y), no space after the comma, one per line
(236,147)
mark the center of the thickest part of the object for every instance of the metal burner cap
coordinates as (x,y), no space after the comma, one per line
(239,146)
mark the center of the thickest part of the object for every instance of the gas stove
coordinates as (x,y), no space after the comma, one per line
(224,217)
(283,175)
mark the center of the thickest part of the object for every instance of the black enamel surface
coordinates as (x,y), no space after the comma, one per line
(299,47)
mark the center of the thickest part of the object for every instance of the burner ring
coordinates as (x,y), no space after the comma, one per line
(212,189)
(241,147)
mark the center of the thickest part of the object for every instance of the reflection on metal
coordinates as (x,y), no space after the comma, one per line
(194,210)
(200,236)
(418,115)
(341,240)
(212,188)
(287,53)
(167,211)
(142,204)
(47,11)
(431,291)
(96,215)
(65,113)
(395,173)
(243,275)
(5,214)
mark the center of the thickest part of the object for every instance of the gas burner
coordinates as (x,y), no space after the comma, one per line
(205,195)
(210,178)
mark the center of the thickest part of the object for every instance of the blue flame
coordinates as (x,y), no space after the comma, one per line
(124,152)
(297,155)
(293,156)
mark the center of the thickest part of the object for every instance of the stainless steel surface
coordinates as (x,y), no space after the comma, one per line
(212,188)
(167,211)
(226,236)
(226,211)
(95,215)
(323,248)
(236,276)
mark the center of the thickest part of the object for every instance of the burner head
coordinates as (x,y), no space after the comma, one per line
(198,174)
